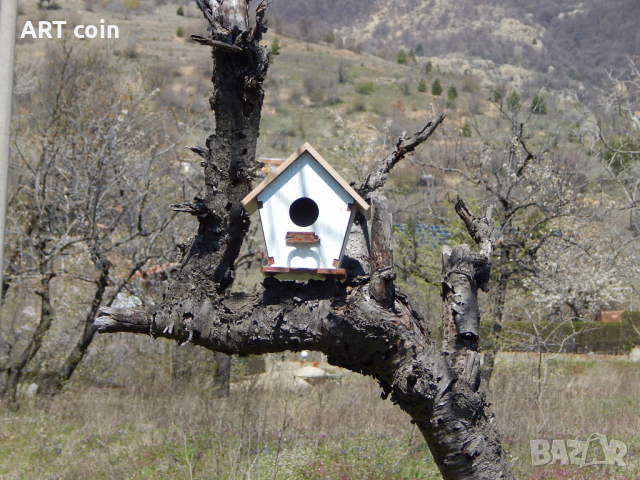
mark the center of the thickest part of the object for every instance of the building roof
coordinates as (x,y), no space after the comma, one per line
(250,202)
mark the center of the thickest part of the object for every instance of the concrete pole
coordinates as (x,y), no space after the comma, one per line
(8,17)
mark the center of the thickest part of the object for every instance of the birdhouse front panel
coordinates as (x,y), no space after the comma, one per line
(305,215)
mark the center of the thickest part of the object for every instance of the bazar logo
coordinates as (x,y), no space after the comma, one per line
(596,450)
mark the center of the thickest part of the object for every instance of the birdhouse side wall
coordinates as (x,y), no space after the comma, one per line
(305,178)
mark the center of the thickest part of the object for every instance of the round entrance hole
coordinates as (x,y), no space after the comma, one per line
(304,212)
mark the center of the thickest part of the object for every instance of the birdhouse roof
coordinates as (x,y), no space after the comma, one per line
(250,202)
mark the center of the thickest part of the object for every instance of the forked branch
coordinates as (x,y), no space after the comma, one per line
(403,146)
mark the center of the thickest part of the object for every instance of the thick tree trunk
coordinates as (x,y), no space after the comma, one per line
(363,324)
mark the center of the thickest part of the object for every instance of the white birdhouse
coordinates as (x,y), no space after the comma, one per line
(306,210)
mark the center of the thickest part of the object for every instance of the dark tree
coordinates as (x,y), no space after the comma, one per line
(539,105)
(436,87)
(428,67)
(364,324)
(513,101)
(275,47)
(452,93)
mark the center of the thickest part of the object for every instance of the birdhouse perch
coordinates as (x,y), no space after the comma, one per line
(306,210)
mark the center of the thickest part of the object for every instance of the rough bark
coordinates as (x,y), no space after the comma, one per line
(382,274)
(463,271)
(386,339)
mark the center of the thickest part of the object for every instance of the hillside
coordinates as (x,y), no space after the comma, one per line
(574,41)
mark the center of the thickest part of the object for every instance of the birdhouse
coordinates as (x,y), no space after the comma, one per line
(306,210)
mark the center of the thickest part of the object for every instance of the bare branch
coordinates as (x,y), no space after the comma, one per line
(403,146)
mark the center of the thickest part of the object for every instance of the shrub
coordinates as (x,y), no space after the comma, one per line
(358,105)
(314,87)
(180,32)
(329,38)
(180,11)
(365,88)
(465,131)
(422,85)
(130,5)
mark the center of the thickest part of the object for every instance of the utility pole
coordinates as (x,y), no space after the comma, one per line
(8,16)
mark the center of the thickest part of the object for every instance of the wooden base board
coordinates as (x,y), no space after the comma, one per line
(304,273)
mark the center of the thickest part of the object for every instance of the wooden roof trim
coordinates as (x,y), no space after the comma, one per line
(250,202)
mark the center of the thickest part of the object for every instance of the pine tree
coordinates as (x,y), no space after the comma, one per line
(436,87)
(513,102)
(402,57)
(428,67)
(275,47)
(422,85)
(539,105)
(452,93)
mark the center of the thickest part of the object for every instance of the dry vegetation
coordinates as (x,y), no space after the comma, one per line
(261,431)
(337,430)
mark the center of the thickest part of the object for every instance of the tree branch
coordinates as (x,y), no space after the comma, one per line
(463,271)
(403,146)
(355,332)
